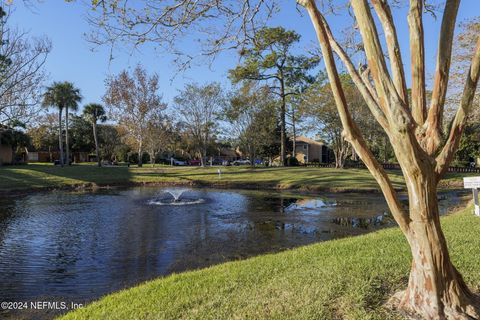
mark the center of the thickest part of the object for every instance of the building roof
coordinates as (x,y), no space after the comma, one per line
(229,152)
(308,141)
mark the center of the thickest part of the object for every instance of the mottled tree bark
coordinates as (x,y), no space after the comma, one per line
(436,290)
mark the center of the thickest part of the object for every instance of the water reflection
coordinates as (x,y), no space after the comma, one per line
(365,223)
(76,247)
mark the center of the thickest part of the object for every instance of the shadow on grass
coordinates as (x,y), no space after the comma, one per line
(36,176)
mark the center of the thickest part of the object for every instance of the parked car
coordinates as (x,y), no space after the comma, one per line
(163,161)
(177,162)
(258,162)
(241,162)
(194,162)
(217,162)
(226,163)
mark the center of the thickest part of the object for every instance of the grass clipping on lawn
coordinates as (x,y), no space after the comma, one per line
(348,278)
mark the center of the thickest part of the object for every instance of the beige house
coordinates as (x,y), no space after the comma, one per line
(309,150)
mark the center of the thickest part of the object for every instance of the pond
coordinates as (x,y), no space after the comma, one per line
(78,246)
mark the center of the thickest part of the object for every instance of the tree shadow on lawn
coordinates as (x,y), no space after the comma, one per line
(47,176)
(58,176)
(26,179)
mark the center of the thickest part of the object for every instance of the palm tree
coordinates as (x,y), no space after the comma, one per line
(94,112)
(62,95)
(50,98)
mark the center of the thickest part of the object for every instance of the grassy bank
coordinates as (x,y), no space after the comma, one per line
(37,176)
(342,279)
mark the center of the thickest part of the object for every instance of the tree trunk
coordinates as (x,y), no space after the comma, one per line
(14,160)
(95,138)
(354,155)
(140,154)
(205,143)
(339,158)
(67,148)
(60,134)
(294,132)
(152,158)
(283,136)
(202,159)
(436,290)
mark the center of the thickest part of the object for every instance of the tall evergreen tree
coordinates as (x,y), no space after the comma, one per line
(269,58)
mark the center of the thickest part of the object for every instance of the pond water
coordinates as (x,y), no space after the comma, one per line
(76,247)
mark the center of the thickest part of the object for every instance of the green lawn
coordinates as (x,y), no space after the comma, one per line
(35,176)
(342,279)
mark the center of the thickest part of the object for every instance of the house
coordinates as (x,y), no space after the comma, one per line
(309,150)
(6,150)
(6,153)
(229,154)
(53,155)
(42,156)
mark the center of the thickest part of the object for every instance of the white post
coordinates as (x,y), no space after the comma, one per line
(475,200)
(473,183)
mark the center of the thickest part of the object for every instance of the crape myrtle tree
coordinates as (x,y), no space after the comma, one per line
(435,289)
(269,58)
(134,100)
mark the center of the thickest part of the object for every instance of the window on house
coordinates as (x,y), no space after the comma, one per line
(304,147)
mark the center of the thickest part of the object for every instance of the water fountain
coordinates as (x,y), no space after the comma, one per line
(176,193)
(175,198)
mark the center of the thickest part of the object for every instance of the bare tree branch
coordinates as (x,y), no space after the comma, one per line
(435,113)
(366,92)
(389,98)
(365,74)
(385,15)
(119,23)
(22,74)
(351,132)
(417,60)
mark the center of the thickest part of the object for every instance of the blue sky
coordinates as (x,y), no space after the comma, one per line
(72,58)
